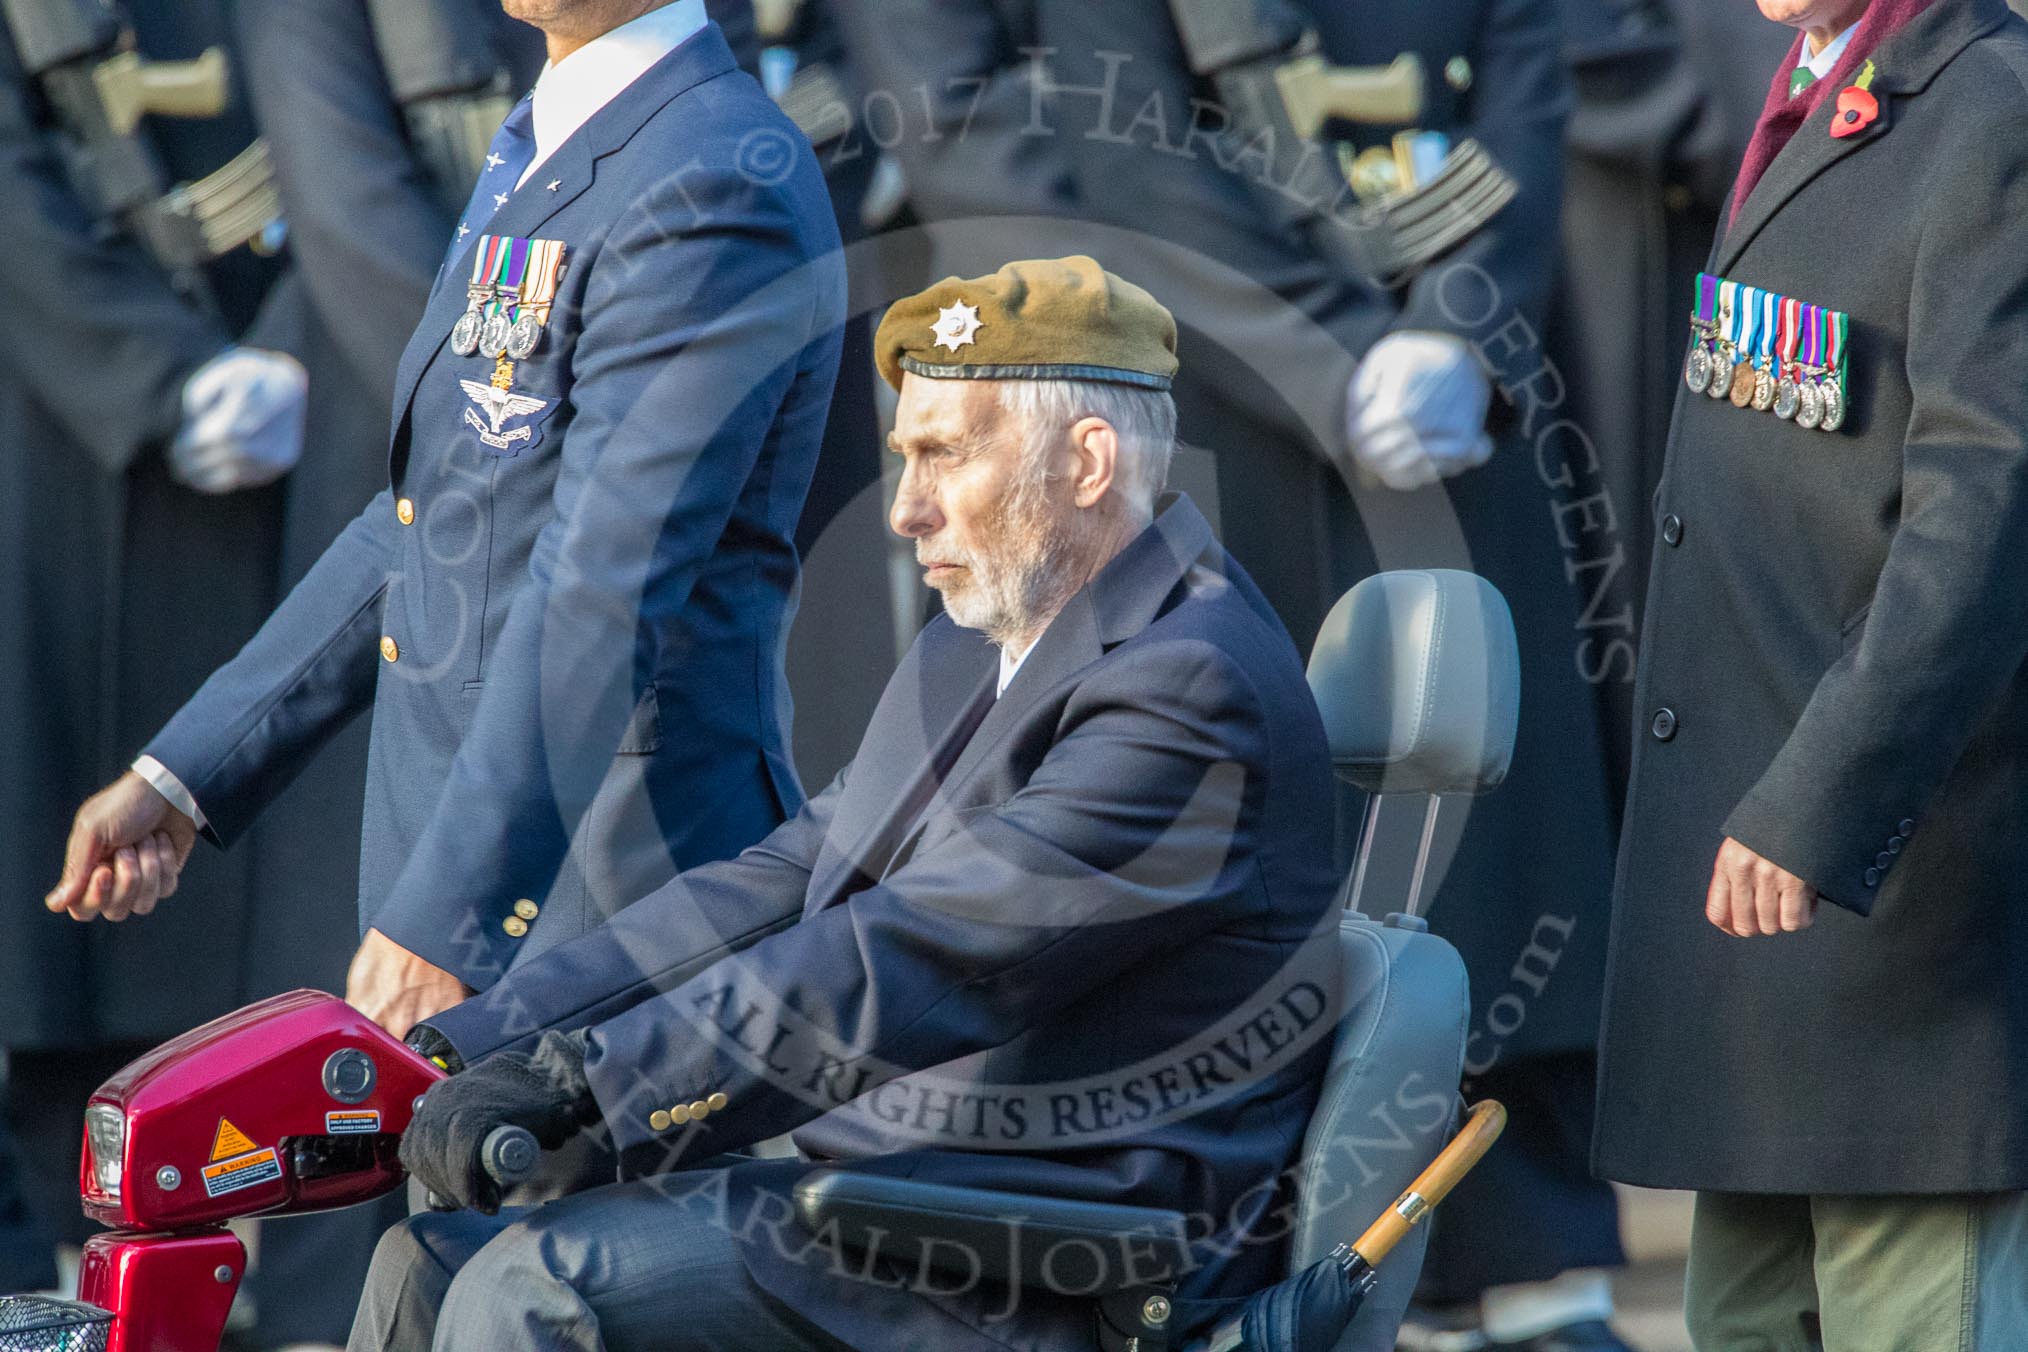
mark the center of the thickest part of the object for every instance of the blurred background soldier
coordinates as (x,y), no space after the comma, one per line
(138,491)
(1305,377)
(1667,92)
(843,643)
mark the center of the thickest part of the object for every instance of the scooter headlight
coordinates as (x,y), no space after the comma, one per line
(106,1130)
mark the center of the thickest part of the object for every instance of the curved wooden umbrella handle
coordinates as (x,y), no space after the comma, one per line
(1483,1125)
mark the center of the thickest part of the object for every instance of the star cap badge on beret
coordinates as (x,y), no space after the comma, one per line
(1035,319)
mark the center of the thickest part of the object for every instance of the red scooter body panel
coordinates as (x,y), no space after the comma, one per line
(290,1105)
(165,1291)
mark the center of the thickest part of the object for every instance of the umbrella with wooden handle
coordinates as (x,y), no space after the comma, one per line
(1309,1311)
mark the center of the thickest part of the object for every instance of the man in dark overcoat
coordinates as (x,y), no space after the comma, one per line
(1109,136)
(1815,1011)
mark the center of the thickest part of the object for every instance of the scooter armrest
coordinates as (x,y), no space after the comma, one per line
(1076,1248)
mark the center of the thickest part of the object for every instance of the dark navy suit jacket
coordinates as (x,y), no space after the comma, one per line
(572,642)
(1076,941)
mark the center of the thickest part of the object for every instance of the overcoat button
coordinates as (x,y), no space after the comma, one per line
(1883,859)
(680,1114)
(1908,826)
(515,926)
(1894,844)
(1672,530)
(659,1120)
(716,1101)
(527,909)
(404,512)
(1872,877)
(1664,726)
(389,649)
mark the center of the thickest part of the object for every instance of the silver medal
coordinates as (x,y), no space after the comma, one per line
(524,337)
(1721,372)
(1834,408)
(493,338)
(1697,371)
(1809,406)
(1786,397)
(465,333)
(1763,390)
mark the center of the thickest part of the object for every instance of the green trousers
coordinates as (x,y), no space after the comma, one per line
(1858,1274)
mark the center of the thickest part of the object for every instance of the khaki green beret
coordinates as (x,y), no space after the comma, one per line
(1038,319)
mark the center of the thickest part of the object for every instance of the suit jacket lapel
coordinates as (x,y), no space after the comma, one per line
(1905,63)
(931,707)
(573,167)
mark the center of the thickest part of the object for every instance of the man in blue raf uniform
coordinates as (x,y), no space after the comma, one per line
(576,585)
(1081,837)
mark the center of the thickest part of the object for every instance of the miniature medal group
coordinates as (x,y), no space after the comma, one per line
(1769,353)
(513,285)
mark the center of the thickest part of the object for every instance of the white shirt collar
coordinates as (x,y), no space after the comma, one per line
(1824,62)
(1010,665)
(571,91)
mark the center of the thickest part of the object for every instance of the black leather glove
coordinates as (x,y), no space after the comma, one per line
(431,1045)
(544,1091)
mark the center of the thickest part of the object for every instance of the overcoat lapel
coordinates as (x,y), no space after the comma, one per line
(1904,64)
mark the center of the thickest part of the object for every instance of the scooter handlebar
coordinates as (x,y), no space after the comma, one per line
(508,1155)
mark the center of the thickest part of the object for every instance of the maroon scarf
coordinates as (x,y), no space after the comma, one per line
(1781,116)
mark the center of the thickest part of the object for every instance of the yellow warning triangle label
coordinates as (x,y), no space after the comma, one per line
(230,1141)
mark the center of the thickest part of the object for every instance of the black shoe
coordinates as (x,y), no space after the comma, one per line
(1589,1335)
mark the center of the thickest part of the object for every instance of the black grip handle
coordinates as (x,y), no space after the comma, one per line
(508,1155)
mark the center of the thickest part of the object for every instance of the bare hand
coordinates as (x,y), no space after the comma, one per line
(126,851)
(1750,895)
(397,989)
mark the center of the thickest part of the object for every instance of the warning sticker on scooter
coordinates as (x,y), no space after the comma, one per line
(352,1122)
(247,1171)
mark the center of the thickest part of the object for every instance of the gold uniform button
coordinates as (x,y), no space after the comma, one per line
(388,648)
(659,1120)
(404,512)
(715,1102)
(515,926)
(679,1114)
(527,909)
(699,1111)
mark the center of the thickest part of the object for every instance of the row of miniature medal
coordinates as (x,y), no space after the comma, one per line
(512,287)
(1768,352)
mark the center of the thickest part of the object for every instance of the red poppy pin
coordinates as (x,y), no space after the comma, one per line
(1856,106)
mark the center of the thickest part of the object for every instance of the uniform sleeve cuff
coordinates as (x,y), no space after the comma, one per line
(169,786)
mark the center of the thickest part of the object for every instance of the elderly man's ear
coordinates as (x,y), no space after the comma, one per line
(1097,448)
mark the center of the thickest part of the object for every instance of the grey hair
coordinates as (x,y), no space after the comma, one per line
(1144,420)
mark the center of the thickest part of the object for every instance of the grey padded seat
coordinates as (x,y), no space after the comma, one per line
(1417,676)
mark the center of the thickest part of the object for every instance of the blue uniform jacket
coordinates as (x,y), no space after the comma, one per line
(1087,949)
(567,612)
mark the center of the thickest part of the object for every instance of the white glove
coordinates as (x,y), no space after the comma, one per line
(1415,410)
(242,421)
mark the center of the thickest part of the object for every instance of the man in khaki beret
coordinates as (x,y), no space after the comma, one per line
(1078,847)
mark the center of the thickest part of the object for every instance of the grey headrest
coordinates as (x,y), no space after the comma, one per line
(1418,678)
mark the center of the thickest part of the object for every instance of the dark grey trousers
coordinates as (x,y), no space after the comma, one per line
(615,1269)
